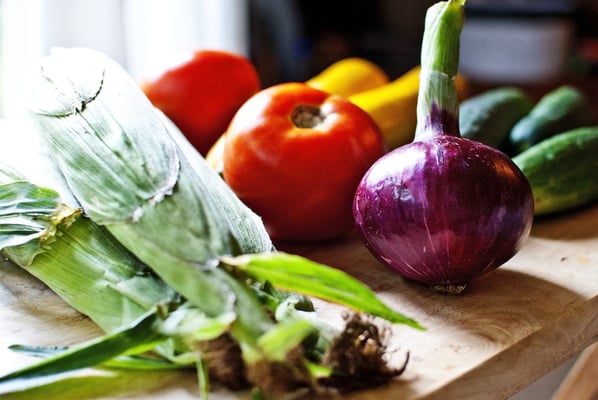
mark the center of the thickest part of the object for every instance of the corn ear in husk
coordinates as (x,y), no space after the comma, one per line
(134,174)
(125,169)
(121,162)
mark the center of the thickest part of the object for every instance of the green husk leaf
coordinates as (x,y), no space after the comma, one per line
(296,273)
(76,258)
(247,229)
(82,262)
(69,85)
(191,322)
(130,362)
(141,336)
(203,379)
(285,336)
(28,212)
(31,218)
(85,263)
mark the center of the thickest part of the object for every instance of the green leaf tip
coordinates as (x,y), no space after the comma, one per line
(140,336)
(296,273)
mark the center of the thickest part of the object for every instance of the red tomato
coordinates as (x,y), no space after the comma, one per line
(295,155)
(201,94)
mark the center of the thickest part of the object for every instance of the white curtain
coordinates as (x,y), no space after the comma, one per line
(139,34)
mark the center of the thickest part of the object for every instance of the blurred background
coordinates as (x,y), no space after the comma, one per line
(528,42)
(535,44)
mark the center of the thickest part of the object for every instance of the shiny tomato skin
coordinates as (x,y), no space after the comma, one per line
(202,93)
(300,180)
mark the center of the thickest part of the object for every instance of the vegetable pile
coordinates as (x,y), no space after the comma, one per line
(174,256)
(295,152)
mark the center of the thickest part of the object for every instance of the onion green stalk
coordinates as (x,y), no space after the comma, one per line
(137,179)
(440,64)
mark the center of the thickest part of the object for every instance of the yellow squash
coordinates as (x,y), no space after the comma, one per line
(349,76)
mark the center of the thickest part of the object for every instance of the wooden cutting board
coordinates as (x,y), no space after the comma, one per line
(509,328)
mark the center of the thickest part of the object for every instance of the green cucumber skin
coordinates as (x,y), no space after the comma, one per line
(560,110)
(489,117)
(562,170)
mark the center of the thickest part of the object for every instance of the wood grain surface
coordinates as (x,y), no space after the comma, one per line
(509,327)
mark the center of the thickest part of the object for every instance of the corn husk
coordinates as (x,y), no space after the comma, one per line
(121,161)
(75,257)
(134,174)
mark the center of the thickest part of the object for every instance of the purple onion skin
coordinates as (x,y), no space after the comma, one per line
(443,210)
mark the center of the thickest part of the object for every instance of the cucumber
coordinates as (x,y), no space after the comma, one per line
(560,110)
(489,117)
(562,170)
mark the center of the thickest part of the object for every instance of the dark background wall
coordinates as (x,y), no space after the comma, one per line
(293,40)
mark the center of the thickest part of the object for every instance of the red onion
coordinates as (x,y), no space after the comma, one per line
(443,209)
